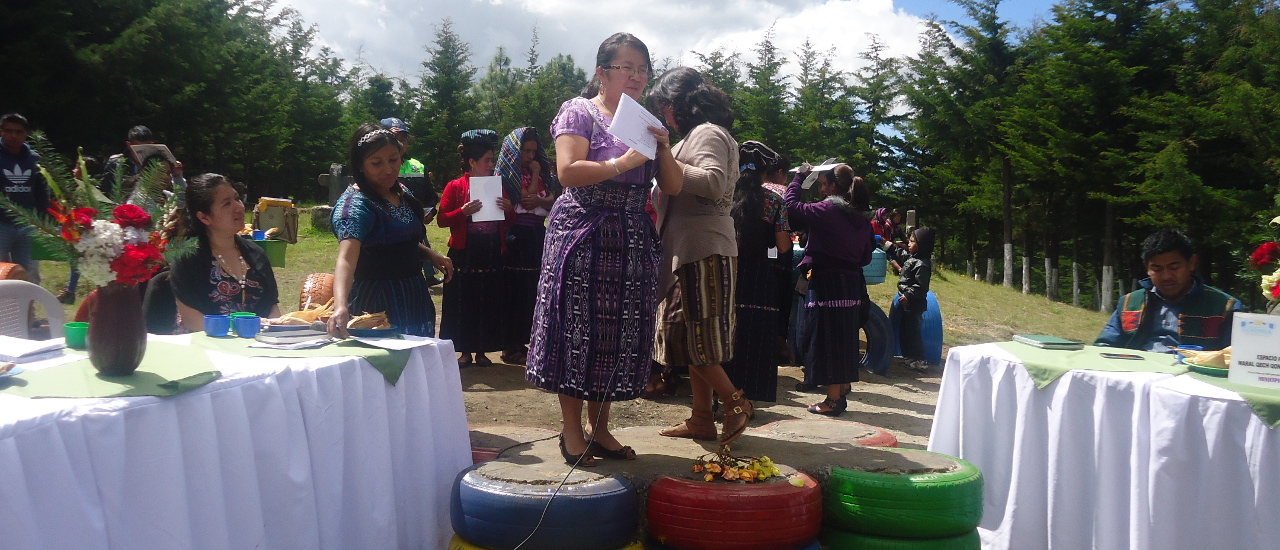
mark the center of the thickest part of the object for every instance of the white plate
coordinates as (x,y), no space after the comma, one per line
(12,371)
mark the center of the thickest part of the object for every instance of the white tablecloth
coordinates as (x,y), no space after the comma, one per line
(1108,459)
(315,453)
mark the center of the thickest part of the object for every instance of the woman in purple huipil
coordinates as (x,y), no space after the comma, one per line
(593,322)
(836,303)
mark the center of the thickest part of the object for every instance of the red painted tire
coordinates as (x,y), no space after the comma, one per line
(862,434)
(481,454)
(698,515)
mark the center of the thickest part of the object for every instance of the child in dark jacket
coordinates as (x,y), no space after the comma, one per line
(913,288)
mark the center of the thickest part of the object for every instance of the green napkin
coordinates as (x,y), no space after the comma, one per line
(1264,402)
(166,369)
(390,363)
(1046,365)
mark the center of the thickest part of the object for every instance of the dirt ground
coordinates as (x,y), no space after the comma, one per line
(902,403)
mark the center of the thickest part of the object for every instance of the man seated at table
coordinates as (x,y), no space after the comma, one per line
(1173,307)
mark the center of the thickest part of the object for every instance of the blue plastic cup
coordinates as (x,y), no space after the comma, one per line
(259,235)
(217,325)
(247,326)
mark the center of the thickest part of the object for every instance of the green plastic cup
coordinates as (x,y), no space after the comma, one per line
(243,314)
(74,333)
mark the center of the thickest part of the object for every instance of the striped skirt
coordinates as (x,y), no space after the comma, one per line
(472,307)
(696,317)
(754,367)
(834,310)
(407,303)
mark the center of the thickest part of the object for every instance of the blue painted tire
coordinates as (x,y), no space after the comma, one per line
(880,339)
(930,328)
(499,514)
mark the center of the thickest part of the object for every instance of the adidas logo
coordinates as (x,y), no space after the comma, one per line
(18,176)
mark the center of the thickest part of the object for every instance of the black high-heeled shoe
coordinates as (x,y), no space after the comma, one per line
(584,460)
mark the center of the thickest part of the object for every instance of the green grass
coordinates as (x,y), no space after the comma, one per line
(975,312)
(972,311)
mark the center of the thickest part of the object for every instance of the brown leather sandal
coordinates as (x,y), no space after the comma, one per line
(737,414)
(702,425)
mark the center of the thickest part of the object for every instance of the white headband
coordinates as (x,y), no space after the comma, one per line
(374,135)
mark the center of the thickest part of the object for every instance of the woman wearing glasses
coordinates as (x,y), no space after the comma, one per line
(593,323)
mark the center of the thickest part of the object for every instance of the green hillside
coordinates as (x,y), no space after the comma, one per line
(974,312)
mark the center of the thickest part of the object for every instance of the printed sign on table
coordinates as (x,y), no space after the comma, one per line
(1255,350)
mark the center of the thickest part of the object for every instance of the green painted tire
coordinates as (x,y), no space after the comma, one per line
(927,505)
(835,539)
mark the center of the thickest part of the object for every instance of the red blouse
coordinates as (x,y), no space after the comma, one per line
(457,193)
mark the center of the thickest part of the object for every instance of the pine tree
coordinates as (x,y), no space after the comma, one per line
(445,88)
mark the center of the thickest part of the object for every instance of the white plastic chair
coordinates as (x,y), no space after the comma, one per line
(15,303)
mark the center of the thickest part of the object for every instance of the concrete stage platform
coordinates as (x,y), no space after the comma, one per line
(532,455)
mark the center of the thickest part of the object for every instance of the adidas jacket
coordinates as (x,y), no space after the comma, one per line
(20,180)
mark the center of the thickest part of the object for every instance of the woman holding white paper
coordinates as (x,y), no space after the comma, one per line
(472,308)
(593,322)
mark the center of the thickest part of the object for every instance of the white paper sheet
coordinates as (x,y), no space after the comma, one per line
(829,164)
(487,189)
(631,126)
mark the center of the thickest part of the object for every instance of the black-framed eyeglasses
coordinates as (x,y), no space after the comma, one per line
(642,72)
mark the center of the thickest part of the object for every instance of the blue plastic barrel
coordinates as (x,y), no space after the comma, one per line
(930,329)
(874,271)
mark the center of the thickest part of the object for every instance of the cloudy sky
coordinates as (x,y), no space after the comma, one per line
(390,35)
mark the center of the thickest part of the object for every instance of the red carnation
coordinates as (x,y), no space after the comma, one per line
(83,216)
(136,263)
(130,215)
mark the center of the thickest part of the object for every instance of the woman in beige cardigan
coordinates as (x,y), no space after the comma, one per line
(696,281)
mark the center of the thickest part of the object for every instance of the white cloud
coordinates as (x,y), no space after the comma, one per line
(390,35)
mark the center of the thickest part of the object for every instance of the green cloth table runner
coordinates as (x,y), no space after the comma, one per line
(390,363)
(1045,365)
(166,369)
(1264,402)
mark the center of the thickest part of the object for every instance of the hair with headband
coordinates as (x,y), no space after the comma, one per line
(755,234)
(756,156)
(368,139)
(474,144)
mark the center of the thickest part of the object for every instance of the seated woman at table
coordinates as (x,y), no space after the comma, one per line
(228,272)
(380,226)
(472,309)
